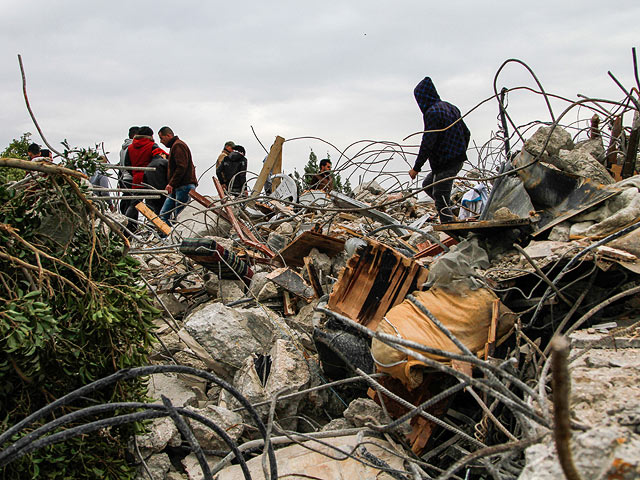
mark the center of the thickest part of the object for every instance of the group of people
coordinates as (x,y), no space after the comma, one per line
(444,145)
(174,172)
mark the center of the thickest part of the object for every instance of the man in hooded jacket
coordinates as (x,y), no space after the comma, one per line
(444,144)
(232,171)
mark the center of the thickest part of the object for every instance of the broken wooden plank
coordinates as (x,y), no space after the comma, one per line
(433,249)
(373,281)
(300,247)
(291,282)
(313,277)
(287,305)
(269,164)
(153,218)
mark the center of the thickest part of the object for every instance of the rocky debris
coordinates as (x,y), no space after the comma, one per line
(162,432)
(192,466)
(230,335)
(229,421)
(284,371)
(560,139)
(364,410)
(313,459)
(173,387)
(158,467)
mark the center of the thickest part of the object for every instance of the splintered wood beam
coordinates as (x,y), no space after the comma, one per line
(153,218)
(269,164)
(374,281)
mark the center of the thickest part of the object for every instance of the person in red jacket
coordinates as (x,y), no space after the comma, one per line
(139,154)
(181,175)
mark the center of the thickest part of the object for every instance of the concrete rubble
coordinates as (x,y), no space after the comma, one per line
(349,334)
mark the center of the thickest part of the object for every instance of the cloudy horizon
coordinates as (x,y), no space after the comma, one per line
(339,71)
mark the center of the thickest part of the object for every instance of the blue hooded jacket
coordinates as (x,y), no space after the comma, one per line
(442,146)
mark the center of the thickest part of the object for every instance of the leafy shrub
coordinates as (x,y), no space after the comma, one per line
(72,310)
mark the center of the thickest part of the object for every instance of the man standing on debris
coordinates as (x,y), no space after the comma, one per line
(181,175)
(232,171)
(444,144)
(323,179)
(138,154)
(124,176)
(228,148)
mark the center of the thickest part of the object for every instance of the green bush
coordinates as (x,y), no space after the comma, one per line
(72,310)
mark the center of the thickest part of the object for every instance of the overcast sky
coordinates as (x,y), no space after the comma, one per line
(342,71)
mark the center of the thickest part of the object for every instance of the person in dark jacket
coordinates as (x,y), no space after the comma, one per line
(138,154)
(232,171)
(124,176)
(444,144)
(156,178)
(181,175)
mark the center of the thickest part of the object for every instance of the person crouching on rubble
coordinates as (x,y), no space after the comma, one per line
(444,144)
(138,154)
(323,179)
(181,175)
(232,171)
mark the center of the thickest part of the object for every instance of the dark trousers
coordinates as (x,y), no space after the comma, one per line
(441,192)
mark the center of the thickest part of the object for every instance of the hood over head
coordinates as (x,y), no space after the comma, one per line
(426,94)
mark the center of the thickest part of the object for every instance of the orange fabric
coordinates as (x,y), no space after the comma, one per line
(467,315)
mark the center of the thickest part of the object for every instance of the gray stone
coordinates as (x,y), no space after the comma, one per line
(616,212)
(364,410)
(321,261)
(158,466)
(285,228)
(229,421)
(172,387)
(162,432)
(371,187)
(192,466)
(231,290)
(173,475)
(269,291)
(189,360)
(212,285)
(289,373)
(583,164)
(337,424)
(223,332)
(560,233)
(258,281)
(560,140)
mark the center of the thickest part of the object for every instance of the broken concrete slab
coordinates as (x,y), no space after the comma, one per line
(162,432)
(229,335)
(560,140)
(192,465)
(229,421)
(172,387)
(296,460)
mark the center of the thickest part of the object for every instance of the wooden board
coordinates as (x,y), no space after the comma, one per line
(270,163)
(374,281)
(153,218)
(481,225)
(299,248)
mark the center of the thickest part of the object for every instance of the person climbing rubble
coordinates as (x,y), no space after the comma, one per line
(444,144)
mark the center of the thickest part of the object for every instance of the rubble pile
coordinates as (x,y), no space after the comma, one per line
(320,334)
(455,318)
